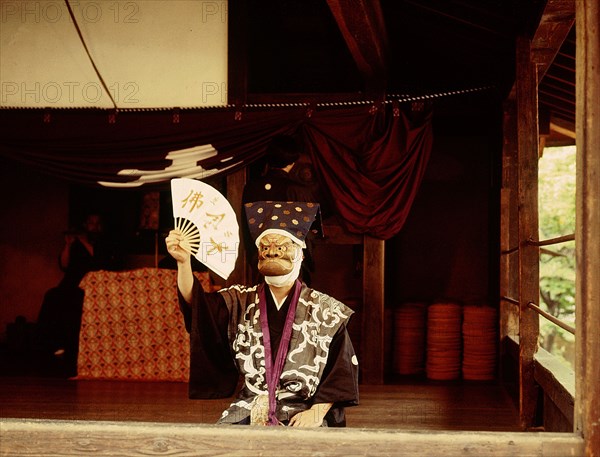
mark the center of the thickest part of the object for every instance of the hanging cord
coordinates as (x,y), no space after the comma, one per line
(311,106)
(390,98)
(89,55)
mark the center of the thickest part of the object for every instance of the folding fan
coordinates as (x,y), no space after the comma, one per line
(208,224)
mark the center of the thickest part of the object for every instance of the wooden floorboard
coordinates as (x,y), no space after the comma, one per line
(435,406)
(418,405)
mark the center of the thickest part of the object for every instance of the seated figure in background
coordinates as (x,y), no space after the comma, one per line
(59,320)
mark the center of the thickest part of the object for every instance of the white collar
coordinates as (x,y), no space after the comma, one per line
(277,304)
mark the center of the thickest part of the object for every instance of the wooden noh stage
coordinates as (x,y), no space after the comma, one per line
(409,417)
(82,417)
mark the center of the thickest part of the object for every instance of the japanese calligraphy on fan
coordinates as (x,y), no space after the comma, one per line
(208,224)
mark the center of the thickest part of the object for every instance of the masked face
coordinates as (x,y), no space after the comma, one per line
(277,255)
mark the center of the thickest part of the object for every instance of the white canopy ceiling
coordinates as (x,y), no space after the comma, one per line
(150,53)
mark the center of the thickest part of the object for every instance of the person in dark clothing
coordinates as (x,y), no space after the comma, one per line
(278,184)
(288,341)
(59,319)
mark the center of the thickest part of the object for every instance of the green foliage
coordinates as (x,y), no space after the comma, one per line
(557,263)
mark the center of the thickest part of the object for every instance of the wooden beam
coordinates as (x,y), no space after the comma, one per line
(77,438)
(587,230)
(554,27)
(527,121)
(563,127)
(363,28)
(373,346)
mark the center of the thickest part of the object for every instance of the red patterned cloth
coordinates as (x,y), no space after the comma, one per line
(131,327)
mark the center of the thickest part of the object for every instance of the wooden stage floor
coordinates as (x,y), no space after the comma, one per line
(418,405)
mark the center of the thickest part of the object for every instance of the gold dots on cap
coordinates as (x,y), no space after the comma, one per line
(282,224)
(274,218)
(277,205)
(298,209)
(306,219)
(252,221)
(286,212)
(260,210)
(268,186)
(310,205)
(295,221)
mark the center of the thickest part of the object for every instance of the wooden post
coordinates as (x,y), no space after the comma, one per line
(505,308)
(235,189)
(509,229)
(527,121)
(505,191)
(587,231)
(372,362)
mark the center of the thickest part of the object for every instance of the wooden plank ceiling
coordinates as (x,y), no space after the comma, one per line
(370,48)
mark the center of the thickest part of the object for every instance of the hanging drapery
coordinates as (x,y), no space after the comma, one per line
(371,164)
(369,161)
(88,147)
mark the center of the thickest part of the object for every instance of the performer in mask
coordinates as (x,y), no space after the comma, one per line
(289,342)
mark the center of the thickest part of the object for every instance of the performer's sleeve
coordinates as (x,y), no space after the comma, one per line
(339,383)
(213,373)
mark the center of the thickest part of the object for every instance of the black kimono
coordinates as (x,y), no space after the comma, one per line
(226,339)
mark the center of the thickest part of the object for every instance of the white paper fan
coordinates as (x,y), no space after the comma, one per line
(208,223)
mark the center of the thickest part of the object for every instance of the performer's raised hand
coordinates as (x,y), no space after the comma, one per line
(173,242)
(185,277)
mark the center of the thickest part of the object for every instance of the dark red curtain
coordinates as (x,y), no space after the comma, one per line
(371,164)
(369,161)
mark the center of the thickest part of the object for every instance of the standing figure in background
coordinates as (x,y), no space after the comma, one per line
(59,320)
(279,184)
(288,341)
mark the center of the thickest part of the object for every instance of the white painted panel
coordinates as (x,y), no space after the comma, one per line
(151,53)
